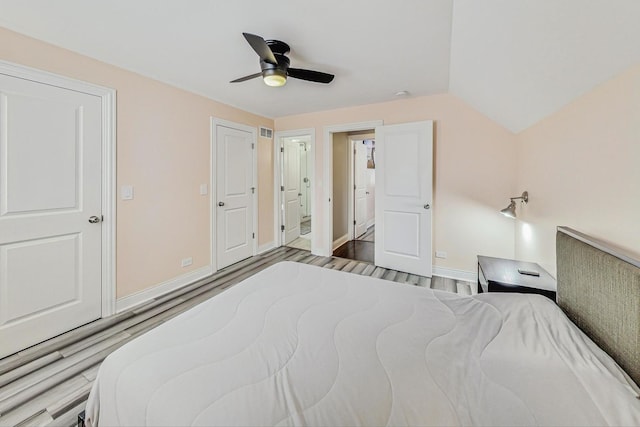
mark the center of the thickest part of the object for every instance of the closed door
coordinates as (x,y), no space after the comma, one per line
(360,187)
(50,211)
(404,164)
(292,194)
(234,193)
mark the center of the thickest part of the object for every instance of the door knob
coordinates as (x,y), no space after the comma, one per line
(220,203)
(427,206)
(94,219)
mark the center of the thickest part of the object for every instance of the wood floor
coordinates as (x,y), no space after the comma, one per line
(48,384)
(357,250)
(360,249)
(369,235)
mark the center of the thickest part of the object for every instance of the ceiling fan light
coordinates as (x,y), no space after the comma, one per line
(274,78)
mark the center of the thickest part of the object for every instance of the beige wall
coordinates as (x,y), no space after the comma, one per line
(581,167)
(163,151)
(340,189)
(474,172)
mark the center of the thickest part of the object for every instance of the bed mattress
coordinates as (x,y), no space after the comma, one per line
(301,345)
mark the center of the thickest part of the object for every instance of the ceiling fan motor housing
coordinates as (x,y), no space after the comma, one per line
(279,49)
(283,64)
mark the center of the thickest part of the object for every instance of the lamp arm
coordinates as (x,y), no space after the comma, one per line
(524,197)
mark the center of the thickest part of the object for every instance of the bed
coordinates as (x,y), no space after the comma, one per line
(302,345)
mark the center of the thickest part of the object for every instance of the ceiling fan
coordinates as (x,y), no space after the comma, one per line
(275,64)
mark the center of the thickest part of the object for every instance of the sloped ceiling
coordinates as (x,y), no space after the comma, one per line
(514,60)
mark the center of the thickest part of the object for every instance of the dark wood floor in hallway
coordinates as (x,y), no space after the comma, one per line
(357,250)
(360,249)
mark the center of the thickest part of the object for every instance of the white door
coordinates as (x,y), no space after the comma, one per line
(291,184)
(404,156)
(50,186)
(371,197)
(360,187)
(304,182)
(234,195)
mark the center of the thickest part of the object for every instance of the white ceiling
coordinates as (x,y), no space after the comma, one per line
(514,60)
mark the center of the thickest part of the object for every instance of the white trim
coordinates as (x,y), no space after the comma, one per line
(215,122)
(340,241)
(163,288)
(109,118)
(277,182)
(277,171)
(327,208)
(108,121)
(41,76)
(351,229)
(452,273)
(266,247)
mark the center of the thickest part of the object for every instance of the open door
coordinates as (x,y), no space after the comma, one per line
(291,181)
(360,188)
(404,164)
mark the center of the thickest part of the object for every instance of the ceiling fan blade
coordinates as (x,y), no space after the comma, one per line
(245,78)
(312,76)
(262,49)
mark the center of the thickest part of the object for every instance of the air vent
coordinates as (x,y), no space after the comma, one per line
(266,132)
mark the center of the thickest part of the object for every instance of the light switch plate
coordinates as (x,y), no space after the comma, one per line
(204,189)
(126,192)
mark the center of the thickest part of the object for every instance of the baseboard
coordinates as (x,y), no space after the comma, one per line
(340,241)
(452,273)
(266,247)
(148,294)
(319,251)
(370,223)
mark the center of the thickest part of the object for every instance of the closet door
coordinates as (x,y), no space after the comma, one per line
(50,211)
(234,192)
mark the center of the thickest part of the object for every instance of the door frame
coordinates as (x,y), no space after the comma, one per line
(327,208)
(108,154)
(213,179)
(278,165)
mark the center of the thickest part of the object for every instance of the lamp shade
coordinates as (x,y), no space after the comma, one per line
(274,77)
(510,210)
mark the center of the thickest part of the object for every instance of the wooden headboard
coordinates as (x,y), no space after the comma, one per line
(599,290)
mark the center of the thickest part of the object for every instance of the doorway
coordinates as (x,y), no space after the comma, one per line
(353,188)
(294,154)
(403,193)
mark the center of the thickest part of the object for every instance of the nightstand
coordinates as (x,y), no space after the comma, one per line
(502,275)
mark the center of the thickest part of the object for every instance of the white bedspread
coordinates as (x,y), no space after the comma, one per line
(302,345)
